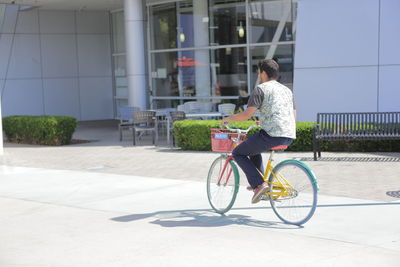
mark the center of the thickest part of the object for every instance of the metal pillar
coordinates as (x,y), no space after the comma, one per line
(200,28)
(135,53)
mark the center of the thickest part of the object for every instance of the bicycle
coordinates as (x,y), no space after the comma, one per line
(292,185)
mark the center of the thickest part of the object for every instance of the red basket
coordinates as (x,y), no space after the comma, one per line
(221,140)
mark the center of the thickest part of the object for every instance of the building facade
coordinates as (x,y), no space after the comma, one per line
(86,58)
(347,57)
(56,62)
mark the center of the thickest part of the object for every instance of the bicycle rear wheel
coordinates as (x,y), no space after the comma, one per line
(293,195)
(222,184)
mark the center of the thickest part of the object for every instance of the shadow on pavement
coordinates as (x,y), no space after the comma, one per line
(208,218)
(395,194)
(203,218)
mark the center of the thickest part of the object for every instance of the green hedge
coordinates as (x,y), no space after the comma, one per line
(40,130)
(195,135)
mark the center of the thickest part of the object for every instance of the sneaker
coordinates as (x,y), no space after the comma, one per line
(261,189)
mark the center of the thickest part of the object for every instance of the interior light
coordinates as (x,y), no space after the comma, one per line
(240,30)
(182,37)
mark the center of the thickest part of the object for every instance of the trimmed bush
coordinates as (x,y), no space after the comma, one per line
(304,137)
(39,130)
(195,135)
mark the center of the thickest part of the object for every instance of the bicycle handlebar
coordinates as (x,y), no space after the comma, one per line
(240,131)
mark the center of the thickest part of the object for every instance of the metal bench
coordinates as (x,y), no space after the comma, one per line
(355,126)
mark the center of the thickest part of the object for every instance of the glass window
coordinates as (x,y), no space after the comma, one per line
(119,65)
(166,103)
(118,28)
(163,26)
(229,72)
(270,18)
(164,74)
(185,30)
(184,73)
(121,87)
(203,72)
(282,54)
(119,61)
(227,22)
(2,12)
(193,24)
(119,103)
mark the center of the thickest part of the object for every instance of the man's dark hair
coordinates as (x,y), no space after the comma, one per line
(270,67)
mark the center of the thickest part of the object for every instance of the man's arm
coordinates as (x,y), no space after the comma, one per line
(242,116)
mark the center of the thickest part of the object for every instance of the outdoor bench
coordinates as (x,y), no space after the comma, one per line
(355,126)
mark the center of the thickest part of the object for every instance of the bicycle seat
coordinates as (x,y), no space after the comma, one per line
(279,148)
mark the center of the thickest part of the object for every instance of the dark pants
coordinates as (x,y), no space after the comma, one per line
(248,154)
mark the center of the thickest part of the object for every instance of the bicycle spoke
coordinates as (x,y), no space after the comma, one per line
(222,184)
(298,200)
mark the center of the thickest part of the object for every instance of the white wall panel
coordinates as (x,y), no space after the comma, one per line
(28,22)
(10,19)
(57,22)
(389,88)
(93,22)
(61,97)
(23,97)
(389,33)
(59,55)
(96,96)
(350,89)
(337,33)
(94,55)
(55,52)
(5,49)
(25,58)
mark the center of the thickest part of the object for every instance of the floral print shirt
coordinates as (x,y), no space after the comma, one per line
(275,102)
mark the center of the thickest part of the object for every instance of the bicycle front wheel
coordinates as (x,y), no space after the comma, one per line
(222,184)
(293,193)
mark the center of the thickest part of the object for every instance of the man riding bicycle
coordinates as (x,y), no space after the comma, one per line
(277,121)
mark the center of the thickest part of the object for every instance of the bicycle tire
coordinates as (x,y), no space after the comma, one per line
(222,196)
(297,205)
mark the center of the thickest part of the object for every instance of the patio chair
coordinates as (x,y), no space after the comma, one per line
(162,117)
(226,109)
(175,116)
(180,108)
(192,107)
(144,121)
(206,106)
(125,118)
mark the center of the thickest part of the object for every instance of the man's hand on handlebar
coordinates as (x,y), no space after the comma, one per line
(224,122)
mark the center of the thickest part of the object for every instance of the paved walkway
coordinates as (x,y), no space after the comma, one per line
(107,203)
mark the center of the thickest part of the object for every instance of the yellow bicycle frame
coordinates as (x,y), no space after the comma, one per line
(280,187)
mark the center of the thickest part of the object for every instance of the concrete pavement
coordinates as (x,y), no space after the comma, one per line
(107,203)
(70,218)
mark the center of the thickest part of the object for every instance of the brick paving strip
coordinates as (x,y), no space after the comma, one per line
(358,175)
